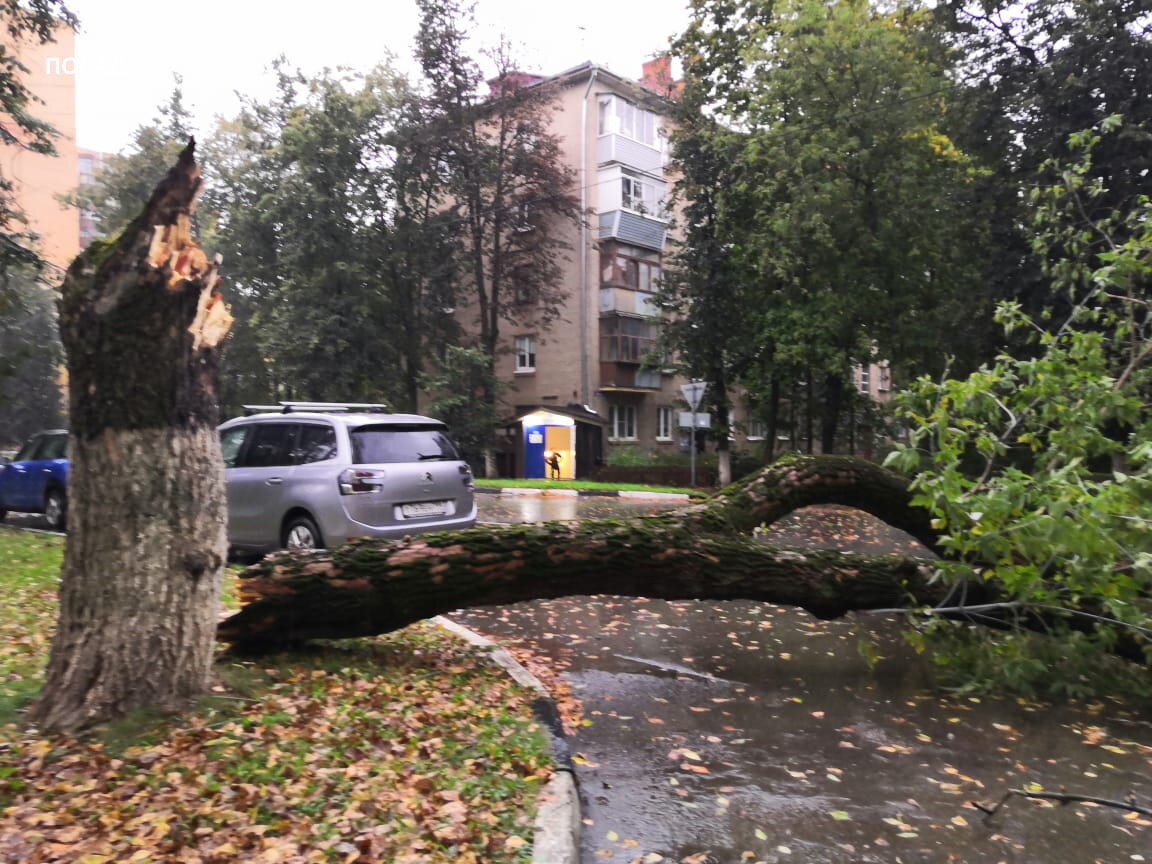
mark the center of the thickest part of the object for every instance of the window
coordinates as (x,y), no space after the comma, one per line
(626,340)
(389,444)
(52,447)
(271,445)
(315,444)
(619,117)
(885,383)
(864,381)
(524,218)
(523,284)
(231,440)
(624,266)
(641,195)
(664,423)
(525,353)
(622,419)
(755,430)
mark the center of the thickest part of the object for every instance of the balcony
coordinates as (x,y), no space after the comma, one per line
(626,342)
(628,377)
(632,228)
(628,302)
(626,151)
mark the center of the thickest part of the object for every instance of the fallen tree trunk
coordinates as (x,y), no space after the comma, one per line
(368,588)
(704,551)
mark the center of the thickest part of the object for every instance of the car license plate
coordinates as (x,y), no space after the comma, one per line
(425,508)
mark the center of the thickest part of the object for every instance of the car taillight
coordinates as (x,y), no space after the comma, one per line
(357,481)
(466,477)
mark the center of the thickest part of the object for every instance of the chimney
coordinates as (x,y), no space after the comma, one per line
(657,77)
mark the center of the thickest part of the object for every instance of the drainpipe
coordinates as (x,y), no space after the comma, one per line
(584,385)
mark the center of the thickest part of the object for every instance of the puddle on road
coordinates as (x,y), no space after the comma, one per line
(544,508)
(752,733)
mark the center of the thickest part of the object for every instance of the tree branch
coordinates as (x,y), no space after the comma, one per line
(1063,798)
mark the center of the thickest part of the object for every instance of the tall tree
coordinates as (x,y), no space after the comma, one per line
(410,241)
(33,21)
(244,172)
(708,278)
(851,204)
(30,356)
(327,327)
(1036,74)
(330,207)
(142,324)
(513,198)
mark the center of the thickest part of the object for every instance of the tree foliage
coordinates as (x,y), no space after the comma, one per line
(1035,74)
(847,208)
(512,197)
(455,389)
(1038,467)
(329,207)
(30,358)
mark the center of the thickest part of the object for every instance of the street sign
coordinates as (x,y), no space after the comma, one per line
(688,419)
(693,392)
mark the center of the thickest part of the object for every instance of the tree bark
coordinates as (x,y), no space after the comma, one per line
(142,324)
(706,551)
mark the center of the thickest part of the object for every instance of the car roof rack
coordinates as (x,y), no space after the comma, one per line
(323,407)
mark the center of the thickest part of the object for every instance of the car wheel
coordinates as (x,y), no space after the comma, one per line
(55,509)
(300,532)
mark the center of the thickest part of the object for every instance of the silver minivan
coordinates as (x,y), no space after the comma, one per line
(310,475)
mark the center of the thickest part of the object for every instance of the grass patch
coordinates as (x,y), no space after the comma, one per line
(29,579)
(407,747)
(538,483)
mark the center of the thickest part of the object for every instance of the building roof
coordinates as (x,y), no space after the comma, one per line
(578,412)
(583,71)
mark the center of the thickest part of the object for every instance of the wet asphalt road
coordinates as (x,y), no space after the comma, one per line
(726,733)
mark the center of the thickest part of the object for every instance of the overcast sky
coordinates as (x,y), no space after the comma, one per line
(128,50)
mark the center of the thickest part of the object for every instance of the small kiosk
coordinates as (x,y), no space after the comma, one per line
(572,437)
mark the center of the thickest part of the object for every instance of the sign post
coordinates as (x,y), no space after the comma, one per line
(693,392)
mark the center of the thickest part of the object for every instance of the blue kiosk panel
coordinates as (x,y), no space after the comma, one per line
(534,452)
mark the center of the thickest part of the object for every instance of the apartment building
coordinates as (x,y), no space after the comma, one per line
(582,386)
(91,163)
(587,384)
(40,180)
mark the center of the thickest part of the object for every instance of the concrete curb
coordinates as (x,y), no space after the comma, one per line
(634,495)
(556,838)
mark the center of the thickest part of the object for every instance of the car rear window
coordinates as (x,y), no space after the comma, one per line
(372,445)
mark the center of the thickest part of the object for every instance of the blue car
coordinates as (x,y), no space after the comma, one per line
(36,480)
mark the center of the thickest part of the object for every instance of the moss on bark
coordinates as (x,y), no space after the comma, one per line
(705,551)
